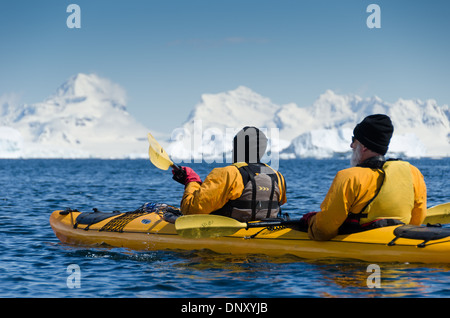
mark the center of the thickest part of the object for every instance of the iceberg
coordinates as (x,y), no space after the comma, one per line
(322,143)
(11,143)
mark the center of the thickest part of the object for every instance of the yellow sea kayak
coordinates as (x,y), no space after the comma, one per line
(141,230)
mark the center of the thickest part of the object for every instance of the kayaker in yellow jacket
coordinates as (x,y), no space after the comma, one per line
(246,190)
(373,192)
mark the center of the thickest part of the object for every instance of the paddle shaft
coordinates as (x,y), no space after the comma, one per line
(177,167)
(273,223)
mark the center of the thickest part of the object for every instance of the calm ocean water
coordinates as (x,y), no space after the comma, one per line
(33,263)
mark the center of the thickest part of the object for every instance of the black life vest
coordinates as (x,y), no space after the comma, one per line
(261,195)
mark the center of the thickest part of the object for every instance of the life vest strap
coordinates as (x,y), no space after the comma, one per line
(251,175)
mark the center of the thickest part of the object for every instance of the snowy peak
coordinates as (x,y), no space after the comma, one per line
(96,91)
(81,96)
(86,117)
(333,108)
(235,108)
(83,86)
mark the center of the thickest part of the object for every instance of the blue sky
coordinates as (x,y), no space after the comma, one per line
(165,54)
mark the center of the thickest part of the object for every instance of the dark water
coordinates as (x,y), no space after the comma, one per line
(33,263)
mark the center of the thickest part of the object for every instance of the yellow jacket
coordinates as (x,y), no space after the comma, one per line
(220,186)
(353,188)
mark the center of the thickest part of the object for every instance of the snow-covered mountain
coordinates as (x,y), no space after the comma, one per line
(86,117)
(322,130)
(208,132)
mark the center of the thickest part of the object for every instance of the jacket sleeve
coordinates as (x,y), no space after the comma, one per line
(220,186)
(419,211)
(334,209)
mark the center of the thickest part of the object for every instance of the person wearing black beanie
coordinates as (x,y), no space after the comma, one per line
(373,192)
(375,132)
(249,145)
(247,190)
(371,139)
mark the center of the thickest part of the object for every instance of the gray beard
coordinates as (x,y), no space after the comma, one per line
(356,156)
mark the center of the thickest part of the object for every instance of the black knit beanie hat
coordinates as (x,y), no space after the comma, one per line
(375,133)
(249,145)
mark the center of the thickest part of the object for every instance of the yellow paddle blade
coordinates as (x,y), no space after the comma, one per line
(438,214)
(158,156)
(204,226)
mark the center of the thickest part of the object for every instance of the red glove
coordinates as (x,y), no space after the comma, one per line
(304,221)
(185,176)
